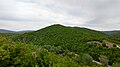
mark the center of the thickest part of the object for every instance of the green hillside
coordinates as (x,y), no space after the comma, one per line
(16,54)
(115,38)
(58,35)
(61,35)
(58,46)
(61,39)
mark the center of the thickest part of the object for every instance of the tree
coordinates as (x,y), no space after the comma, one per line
(87,59)
(116,65)
(103,59)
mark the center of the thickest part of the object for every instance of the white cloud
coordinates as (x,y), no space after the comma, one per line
(35,14)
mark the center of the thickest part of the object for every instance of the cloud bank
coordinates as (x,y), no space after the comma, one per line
(36,14)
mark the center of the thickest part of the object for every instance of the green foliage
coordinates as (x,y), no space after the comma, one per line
(23,55)
(67,41)
(57,35)
(87,59)
(103,60)
(57,49)
(116,65)
(115,38)
(14,54)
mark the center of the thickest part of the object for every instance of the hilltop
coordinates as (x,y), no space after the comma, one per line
(59,34)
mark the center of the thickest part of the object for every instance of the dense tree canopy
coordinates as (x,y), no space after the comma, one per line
(57,46)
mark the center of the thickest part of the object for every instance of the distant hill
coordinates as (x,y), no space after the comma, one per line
(115,37)
(112,32)
(6,31)
(24,31)
(9,31)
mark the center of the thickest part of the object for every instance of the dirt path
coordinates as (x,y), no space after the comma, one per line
(100,63)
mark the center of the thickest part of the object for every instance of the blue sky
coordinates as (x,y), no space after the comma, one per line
(36,14)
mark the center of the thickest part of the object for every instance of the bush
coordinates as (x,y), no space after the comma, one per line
(103,59)
(87,59)
(116,65)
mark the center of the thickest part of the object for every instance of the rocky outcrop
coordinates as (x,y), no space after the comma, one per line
(103,43)
(95,42)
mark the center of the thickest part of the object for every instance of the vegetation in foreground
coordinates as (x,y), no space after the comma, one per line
(23,55)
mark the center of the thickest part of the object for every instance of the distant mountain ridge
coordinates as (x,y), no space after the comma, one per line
(10,31)
(24,31)
(6,31)
(112,32)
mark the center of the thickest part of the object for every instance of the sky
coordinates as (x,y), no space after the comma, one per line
(100,15)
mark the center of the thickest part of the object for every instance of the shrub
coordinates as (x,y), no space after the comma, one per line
(87,59)
(103,59)
(116,65)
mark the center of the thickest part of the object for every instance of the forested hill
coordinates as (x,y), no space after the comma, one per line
(60,35)
(82,46)
(115,37)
